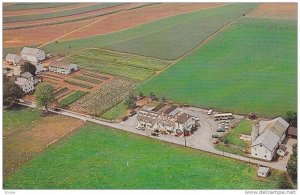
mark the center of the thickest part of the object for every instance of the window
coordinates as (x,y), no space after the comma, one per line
(255,154)
(260,145)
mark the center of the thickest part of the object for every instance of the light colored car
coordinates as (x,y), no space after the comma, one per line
(210,112)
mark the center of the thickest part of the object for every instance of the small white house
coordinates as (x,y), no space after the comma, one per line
(25,84)
(184,122)
(266,137)
(62,67)
(32,55)
(13,59)
(263,171)
(39,68)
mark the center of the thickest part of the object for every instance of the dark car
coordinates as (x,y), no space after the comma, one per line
(124,118)
(154,134)
(221,129)
(132,113)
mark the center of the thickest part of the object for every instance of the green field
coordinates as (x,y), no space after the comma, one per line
(21,6)
(174,35)
(131,72)
(244,127)
(245,68)
(32,17)
(116,112)
(96,157)
(73,97)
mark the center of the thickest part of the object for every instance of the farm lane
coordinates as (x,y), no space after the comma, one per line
(168,138)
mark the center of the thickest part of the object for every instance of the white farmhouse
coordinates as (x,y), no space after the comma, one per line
(28,76)
(25,84)
(32,55)
(266,137)
(13,59)
(62,67)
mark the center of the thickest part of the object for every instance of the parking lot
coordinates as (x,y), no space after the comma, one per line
(200,138)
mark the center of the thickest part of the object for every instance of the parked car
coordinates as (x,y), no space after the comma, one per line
(210,112)
(125,118)
(154,134)
(132,113)
(215,136)
(220,129)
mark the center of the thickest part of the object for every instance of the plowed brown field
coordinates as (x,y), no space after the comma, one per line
(114,22)
(286,11)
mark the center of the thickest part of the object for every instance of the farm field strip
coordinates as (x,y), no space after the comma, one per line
(172,46)
(122,71)
(165,44)
(133,18)
(32,17)
(87,79)
(77,83)
(104,158)
(27,134)
(95,75)
(29,6)
(99,101)
(45,10)
(63,95)
(71,98)
(238,71)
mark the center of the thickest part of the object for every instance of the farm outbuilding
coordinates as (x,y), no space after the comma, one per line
(266,137)
(13,59)
(292,132)
(281,150)
(32,55)
(62,67)
(263,172)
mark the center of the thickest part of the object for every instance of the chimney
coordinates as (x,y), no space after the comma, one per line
(255,131)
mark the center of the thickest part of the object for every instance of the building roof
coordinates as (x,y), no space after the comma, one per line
(30,51)
(59,64)
(21,81)
(264,170)
(159,107)
(170,109)
(292,131)
(283,147)
(147,116)
(271,133)
(183,118)
(13,58)
(26,75)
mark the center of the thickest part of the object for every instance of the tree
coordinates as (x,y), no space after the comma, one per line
(285,182)
(130,100)
(44,95)
(292,164)
(291,118)
(152,96)
(11,92)
(163,99)
(28,67)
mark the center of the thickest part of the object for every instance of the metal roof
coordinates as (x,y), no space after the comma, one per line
(26,75)
(183,118)
(264,170)
(13,58)
(271,133)
(30,51)
(21,81)
(170,109)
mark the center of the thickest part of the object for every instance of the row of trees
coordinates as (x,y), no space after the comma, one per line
(131,99)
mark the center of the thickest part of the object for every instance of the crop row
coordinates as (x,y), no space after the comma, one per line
(73,82)
(70,99)
(22,6)
(87,79)
(70,12)
(123,71)
(60,91)
(124,59)
(95,75)
(101,100)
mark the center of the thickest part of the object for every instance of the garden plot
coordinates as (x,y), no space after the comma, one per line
(101,100)
(113,68)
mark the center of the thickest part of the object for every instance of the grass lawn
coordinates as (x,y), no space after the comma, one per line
(221,146)
(96,157)
(246,68)
(26,133)
(167,38)
(244,127)
(116,112)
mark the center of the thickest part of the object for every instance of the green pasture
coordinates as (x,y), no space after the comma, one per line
(243,69)
(96,157)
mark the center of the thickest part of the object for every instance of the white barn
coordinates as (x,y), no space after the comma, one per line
(62,67)
(33,55)
(266,137)
(13,59)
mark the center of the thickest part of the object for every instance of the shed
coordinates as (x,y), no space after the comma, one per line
(263,172)
(281,150)
(292,131)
